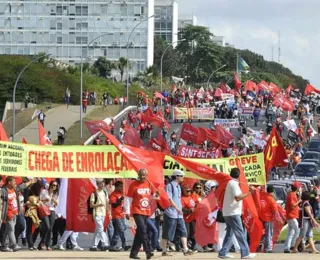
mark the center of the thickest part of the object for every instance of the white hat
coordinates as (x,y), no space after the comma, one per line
(210,184)
(178,173)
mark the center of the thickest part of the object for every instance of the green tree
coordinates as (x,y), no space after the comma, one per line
(103,67)
(148,78)
(121,65)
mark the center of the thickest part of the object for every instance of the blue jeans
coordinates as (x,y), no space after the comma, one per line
(267,237)
(234,226)
(110,230)
(119,231)
(153,232)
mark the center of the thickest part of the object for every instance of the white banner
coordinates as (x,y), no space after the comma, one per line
(228,96)
(35,113)
(229,123)
(290,125)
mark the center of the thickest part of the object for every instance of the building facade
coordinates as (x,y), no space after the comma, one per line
(183,21)
(64,29)
(166,20)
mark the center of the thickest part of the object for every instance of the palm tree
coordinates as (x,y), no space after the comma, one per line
(148,77)
(121,64)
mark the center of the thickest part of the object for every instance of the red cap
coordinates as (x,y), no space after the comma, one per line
(297,184)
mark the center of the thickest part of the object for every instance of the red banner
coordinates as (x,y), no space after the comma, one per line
(278,223)
(191,152)
(43,137)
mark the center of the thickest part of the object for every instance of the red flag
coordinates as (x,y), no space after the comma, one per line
(224,88)
(263,86)
(250,85)
(222,135)
(24,141)
(159,144)
(285,103)
(278,223)
(207,134)
(309,88)
(218,92)
(152,120)
(95,125)
(145,159)
(206,215)
(189,133)
(162,118)
(78,219)
(3,135)
(43,137)
(237,82)
(274,152)
(250,217)
(274,88)
(289,88)
(132,138)
(158,95)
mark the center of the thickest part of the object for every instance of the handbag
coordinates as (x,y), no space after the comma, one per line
(43,211)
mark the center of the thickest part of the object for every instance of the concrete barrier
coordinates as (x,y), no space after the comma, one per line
(18,106)
(116,118)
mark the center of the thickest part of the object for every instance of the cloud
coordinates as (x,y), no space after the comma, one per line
(254,25)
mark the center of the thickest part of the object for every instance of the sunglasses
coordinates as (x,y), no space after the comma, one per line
(198,188)
(54,185)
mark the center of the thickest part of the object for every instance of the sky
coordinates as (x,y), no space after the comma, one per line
(254,25)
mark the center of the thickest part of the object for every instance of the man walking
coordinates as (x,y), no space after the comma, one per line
(269,209)
(99,201)
(11,208)
(41,117)
(139,195)
(116,202)
(292,214)
(173,216)
(232,211)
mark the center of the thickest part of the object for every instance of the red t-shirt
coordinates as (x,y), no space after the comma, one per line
(292,213)
(196,197)
(12,204)
(118,211)
(140,192)
(188,203)
(268,207)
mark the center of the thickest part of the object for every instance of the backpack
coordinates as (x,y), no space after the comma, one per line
(90,210)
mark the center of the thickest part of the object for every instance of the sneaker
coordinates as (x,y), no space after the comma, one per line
(172,247)
(24,241)
(104,248)
(287,251)
(195,251)
(150,255)
(77,248)
(16,248)
(126,248)
(166,254)
(227,256)
(189,252)
(93,249)
(33,248)
(61,248)
(6,249)
(250,256)
(134,257)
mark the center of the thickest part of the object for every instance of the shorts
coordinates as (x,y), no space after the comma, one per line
(173,226)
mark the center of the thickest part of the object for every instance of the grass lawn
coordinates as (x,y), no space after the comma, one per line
(23,118)
(73,133)
(283,235)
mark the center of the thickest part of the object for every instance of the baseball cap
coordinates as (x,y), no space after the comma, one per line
(99,180)
(210,184)
(297,184)
(178,173)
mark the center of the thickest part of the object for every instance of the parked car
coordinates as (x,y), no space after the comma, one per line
(314,145)
(312,160)
(311,155)
(308,169)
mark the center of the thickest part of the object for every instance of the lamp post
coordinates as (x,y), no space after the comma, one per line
(214,73)
(14,93)
(81,80)
(127,84)
(164,52)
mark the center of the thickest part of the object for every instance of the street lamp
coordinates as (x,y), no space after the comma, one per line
(14,93)
(164,52)
(81,80)
(214,73)
(127,85)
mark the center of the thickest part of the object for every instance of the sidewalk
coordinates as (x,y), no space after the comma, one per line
(125,255)
(55,117)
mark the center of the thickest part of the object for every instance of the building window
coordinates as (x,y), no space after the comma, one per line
(81,10)
(59,10)
(59,26)
(59,39)
(81,40)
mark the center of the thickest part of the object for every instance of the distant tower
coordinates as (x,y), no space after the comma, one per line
(279,50)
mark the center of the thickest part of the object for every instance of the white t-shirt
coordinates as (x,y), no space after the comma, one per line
(232,207)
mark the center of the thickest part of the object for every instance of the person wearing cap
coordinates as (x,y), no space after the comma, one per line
(267,215)
(232,211)
(99,201)
(292,215)
(173,216)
